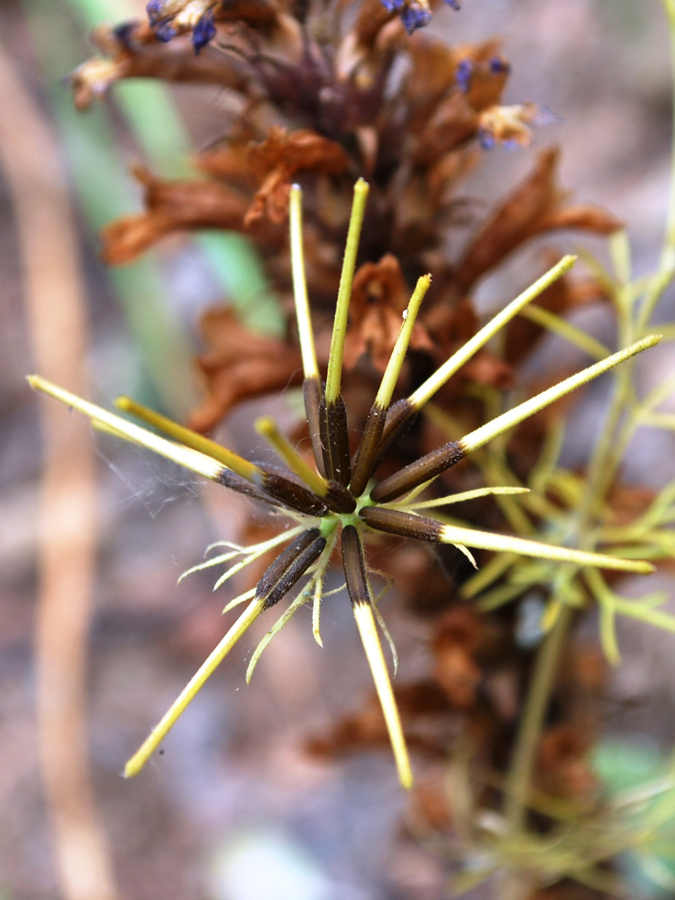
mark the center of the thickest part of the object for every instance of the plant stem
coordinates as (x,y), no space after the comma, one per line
(520,774)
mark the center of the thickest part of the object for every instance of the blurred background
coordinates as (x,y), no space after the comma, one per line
(94,535)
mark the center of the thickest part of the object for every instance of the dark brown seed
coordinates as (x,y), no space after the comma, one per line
(293,494)
(230,479)
(400,417)
(312,393)
(339,499)
(417,473)
(335,441)
(290,566)
(368,452)
(395,521)
(354,566)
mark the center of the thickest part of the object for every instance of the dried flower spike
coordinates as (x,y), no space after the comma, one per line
(334,505)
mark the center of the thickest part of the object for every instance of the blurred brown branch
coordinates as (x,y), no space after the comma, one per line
(55,310)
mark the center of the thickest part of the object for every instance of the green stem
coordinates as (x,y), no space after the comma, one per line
(334,373)
(524,753)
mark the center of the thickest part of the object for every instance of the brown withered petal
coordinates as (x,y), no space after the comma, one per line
(238,365)
(379,298)
(278,158)
(563,765)
(432,77)
(91,80)
(580,217)
(486,368)
(535,207)
(626,503)
(508,124)
(365,730)
(458,676)
(459,636)
(444,119)
(228,160)
(453,124)
(420,705)
(171,206)
(371,19)
(489,71)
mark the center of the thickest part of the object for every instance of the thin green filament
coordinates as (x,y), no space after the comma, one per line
(307,347)
(491,429)
(442,375)
(334,375)
(184,456)
(398,354)
(192,439)
(267,427)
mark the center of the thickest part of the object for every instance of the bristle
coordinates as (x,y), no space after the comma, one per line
(191,439)
(157,735)
(393,370)
(514,416)
(486,540)
(334,495)
(397,422)
(334,374)
(422,528)
(190,459)
(267,427)
(442,375)
(357,585)
(306,335)
(436,462)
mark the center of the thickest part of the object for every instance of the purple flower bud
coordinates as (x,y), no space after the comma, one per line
(463,75)
(393,5)
(413,17)
(455,4)
(203,31)
(498,65)
(487,140)
(154,10)
(164,31)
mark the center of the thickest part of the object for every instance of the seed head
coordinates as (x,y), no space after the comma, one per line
(335,504)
